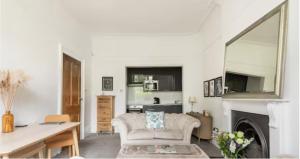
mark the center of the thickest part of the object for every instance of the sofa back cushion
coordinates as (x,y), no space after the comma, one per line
(134,120)
(138,120)
(172,121)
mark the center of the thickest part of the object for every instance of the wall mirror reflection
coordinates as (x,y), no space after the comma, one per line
(254,59)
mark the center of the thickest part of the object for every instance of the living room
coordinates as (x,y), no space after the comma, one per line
(107,37)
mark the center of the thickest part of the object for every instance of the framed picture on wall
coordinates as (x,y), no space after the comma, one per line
(212,88)
(107,84)
(218,87)
(206,88)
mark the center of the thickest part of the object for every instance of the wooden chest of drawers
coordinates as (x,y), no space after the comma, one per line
(105,113)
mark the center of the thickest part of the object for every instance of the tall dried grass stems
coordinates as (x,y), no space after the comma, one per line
(10,81)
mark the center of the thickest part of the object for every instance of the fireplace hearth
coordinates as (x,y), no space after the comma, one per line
(254,126)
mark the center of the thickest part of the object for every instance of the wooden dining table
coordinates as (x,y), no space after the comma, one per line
(31,135)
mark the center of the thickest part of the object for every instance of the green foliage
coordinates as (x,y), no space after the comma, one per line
(232,145)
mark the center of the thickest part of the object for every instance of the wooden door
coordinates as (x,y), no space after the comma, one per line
(72,88)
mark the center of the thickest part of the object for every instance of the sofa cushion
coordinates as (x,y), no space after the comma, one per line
(155,120)
(168,134)
(171,121)
(140,134)
(135,120)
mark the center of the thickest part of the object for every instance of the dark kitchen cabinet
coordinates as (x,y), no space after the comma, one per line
(135,76)
(163,108)
(169,78)
(166,83)
(178,79)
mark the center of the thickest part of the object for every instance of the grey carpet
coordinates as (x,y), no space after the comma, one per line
(108,146)
(211,150)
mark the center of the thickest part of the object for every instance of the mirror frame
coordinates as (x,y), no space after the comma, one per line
(279,78)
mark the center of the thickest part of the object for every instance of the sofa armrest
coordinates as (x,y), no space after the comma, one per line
(122,127)
(189,125)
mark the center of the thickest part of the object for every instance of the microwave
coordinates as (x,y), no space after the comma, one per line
(136,80)
(151,85)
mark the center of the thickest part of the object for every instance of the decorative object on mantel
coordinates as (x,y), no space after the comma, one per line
(232,145)
(192,101)
(206,88)
(218,87)
(10,81)
(107,84)
(212,88)
(205,113)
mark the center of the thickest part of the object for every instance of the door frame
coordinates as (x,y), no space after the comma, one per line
(61,51)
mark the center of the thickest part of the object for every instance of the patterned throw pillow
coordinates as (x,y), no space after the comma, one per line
(155,120)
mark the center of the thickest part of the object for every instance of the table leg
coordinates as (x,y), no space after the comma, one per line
(41,154)
(5,157)
(73,150)
(198,134)
(49,153)
(70,151)
(76,147)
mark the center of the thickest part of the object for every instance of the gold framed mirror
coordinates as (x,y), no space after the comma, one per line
(254,59)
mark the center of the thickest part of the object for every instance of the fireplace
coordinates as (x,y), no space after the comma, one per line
(254,126)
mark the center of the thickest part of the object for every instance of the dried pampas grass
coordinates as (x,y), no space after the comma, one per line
(10,81)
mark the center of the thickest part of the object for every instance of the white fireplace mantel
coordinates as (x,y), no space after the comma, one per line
(274,108)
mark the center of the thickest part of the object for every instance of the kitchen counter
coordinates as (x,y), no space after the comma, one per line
(165,107)
(162,104)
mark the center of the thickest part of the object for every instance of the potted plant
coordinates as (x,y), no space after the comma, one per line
(10,82)
(233,145)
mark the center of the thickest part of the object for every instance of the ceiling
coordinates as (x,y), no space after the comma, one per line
(140,16)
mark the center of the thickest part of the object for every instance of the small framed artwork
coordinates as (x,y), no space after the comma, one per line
(218,87)
(206,88)
(107,83)
(212,88)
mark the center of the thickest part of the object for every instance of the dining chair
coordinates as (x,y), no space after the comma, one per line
(62,140)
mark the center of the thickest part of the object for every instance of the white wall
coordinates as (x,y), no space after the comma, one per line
(1,36)
(212,61)
(235,16)
(31,33)
(113,53)
(291,87)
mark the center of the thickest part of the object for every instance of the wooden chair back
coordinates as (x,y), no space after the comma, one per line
(58,118)
(61,140)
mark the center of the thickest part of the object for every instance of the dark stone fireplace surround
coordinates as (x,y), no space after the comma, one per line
(253,125)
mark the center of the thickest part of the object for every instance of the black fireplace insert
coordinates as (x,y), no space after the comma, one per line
(254,126)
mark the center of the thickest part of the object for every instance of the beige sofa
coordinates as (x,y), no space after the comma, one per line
(132,128)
